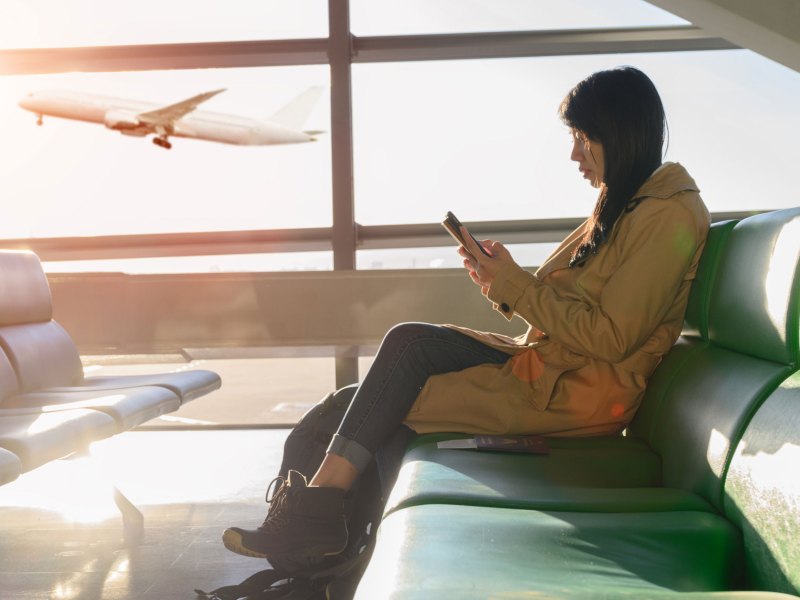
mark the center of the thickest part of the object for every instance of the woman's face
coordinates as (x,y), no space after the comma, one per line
(589,156)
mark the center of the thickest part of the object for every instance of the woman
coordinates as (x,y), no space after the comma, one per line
(602,310)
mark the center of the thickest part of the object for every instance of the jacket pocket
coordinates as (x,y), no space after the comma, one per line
(475,400)
(490,398)
(539,370)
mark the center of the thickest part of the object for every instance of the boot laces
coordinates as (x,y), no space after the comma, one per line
(276,513)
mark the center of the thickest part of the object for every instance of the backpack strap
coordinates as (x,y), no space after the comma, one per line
(256,583)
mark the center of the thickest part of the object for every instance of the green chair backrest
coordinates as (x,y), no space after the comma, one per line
(693,337)
(714,387)
(762,491)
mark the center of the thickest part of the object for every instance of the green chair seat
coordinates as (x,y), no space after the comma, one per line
(601,473)
(432,552)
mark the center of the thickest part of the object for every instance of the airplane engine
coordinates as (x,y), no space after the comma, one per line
(121,120)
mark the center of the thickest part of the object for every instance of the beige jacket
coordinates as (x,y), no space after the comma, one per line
(596,333)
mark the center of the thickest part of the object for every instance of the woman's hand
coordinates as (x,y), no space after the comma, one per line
(483,269)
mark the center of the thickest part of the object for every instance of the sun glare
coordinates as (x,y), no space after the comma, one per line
(84,495)
(77,584)
(718,445)
(780,275)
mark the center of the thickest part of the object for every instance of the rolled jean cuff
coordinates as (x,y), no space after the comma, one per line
(351,451)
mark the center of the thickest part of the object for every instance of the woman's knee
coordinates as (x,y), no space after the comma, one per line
(346,393)
(402,333)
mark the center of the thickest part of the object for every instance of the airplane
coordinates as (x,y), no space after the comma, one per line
(138,118)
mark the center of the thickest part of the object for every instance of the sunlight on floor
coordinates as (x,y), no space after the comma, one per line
(74,488)
(62,532)
(151,468)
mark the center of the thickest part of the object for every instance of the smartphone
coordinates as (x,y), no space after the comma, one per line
(453,227)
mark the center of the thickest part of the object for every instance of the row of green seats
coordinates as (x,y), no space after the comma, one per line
(699,499)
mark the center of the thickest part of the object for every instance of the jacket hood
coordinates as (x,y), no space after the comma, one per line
(669,179)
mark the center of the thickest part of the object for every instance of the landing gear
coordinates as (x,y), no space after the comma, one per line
(163,142)
(39,120)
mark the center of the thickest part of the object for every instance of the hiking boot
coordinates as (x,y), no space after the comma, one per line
(303,524)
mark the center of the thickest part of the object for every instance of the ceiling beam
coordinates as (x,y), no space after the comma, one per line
(768,27)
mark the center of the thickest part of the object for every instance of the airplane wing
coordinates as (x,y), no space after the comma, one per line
(167,115)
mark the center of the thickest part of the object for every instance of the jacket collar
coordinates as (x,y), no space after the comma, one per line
(666,181)
(561,257)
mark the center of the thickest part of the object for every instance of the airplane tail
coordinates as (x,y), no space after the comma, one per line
(296,112)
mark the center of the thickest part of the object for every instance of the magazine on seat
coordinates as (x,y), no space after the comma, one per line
(527,444)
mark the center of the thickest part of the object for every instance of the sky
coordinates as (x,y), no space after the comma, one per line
(479,137)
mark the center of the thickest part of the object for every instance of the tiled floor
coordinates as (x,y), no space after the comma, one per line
(61,534)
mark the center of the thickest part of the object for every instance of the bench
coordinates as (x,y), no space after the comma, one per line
(700,498)
(48,408)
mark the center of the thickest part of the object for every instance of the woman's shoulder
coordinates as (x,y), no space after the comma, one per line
(669,179)
(670,193)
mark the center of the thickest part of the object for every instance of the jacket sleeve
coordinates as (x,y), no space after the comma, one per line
(657,248)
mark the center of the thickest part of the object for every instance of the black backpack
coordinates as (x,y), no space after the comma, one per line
(337,577)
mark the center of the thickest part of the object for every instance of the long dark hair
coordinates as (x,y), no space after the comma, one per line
(621,109)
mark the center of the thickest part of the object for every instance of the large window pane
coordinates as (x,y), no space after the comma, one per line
(228,263)
(59,23)
(482,137)
(70,178)
(396,17)
(527,255)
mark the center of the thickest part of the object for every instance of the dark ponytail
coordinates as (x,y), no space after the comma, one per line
(620,109)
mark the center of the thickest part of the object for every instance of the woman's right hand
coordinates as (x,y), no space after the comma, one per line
(483,269)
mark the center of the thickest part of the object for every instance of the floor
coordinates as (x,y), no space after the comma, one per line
(61,535)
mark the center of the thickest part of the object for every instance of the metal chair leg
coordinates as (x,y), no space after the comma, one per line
(132,519)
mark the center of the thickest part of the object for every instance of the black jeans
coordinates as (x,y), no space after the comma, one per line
(408,355)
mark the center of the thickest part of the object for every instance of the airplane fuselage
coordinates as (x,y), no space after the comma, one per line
(124,115)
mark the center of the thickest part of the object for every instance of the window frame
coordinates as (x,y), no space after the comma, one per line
(340,50)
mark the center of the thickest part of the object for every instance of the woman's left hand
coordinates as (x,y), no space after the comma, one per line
(483,269)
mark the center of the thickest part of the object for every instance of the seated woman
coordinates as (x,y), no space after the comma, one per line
(602,310)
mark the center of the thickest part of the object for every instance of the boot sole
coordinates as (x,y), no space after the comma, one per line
(233,542)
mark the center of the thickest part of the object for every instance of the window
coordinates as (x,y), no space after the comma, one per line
(54,23)
(482,137)
(68,178)
(479,137)
(396,17)
(527,255)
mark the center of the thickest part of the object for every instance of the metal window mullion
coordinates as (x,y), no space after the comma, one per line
(343,234)
(339,55)
(152,57)
(265,241)
(515,44)
(269,53)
